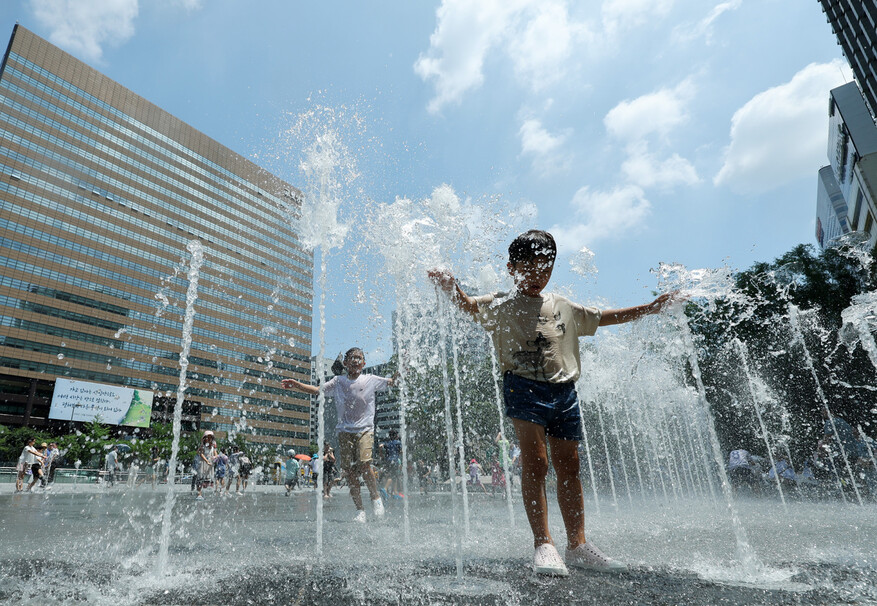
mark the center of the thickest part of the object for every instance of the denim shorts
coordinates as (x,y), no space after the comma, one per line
(555,406)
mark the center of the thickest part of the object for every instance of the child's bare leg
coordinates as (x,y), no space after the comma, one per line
(353,483)
(534,463)
(371,482)
(565,458)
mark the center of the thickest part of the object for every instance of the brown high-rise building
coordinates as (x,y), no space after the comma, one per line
(100,194)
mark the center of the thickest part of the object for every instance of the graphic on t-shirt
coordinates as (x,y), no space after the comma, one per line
(560,325)
(534,359)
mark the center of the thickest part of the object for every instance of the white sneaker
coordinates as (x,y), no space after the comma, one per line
(379,508)
(588,556)
(547,561)
(360,516)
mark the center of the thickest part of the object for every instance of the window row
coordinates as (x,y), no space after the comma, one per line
(277,404)
(183,150)
(222,295)
(86,252)
(256,431)
(170,324)
(105,227)
(238,413)
(51,170)
(114,379)
(172,174)
(111,274)
(177,210)
(129,346)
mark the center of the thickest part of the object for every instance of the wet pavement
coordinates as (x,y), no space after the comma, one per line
(100,546)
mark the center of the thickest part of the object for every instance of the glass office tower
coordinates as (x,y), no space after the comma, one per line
(100,193)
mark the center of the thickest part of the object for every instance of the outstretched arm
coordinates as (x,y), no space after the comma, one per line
(299,386)
(445,279)
(392,380)
(611,317)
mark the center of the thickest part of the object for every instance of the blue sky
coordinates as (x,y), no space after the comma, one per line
(682,131)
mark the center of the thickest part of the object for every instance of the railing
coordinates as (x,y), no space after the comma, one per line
(70,475)
(63,475)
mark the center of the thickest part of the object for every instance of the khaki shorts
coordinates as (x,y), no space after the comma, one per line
(356,448)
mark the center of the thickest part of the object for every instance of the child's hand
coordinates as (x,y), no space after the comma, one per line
(443,278)
(288,383)
(666,299)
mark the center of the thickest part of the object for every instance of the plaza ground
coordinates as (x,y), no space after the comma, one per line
(98,545)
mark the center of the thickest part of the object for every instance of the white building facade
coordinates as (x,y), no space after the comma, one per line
(846,197)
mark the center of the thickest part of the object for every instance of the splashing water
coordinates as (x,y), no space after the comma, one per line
(654,424)
(196,250)
(328,170)
(582,263)
(861,317)
(756,405)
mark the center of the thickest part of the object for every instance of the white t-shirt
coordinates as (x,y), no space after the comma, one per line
(355,401)
(30,455)
(111,459)
(537,337)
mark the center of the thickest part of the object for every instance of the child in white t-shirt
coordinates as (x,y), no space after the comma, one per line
(354,395)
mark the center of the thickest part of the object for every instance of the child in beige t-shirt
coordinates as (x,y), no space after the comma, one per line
(536,339)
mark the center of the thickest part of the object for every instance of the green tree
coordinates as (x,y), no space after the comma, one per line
(13,439)
(784,312)
(87,445)
(425,413)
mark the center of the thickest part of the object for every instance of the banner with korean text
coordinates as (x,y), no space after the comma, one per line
(110,404)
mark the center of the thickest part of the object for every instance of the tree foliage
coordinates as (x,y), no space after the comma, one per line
(13,439)
(425,395)
(787,316)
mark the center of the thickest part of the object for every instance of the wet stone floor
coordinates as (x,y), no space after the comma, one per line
(97,546)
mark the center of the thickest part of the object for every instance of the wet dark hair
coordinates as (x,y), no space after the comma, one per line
(338,364)
(532,245)
(352,351)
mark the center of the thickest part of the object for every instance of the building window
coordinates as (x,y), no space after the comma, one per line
(854,224)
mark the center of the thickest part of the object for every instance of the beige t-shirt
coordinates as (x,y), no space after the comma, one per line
(537,337)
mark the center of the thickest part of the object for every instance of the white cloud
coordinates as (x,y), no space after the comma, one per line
(649,117)
(704,28)
(536,35)
(655,113)
(83,27)
(190,5)
(781,134)
(465,32)
(645,169)
(540,38)
(542,147)
(602,215)
(542,47)
(619,15)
